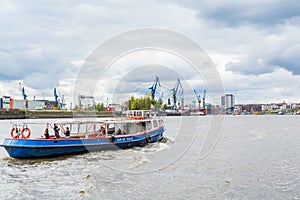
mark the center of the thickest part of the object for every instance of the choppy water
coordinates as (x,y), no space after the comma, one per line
(254,157)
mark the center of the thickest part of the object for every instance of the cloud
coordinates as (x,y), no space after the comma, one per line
(237,13)
(260,51)
(277,86)
(250,65)
(134,74)
(259,32)
(44,44)
(289,58)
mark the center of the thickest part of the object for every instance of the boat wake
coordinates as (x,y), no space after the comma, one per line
(134,160)
(36,161)
(167,140)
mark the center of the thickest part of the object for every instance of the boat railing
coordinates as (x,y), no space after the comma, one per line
(140,114)
(86,129)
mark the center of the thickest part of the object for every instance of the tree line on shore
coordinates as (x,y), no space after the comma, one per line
(140,103)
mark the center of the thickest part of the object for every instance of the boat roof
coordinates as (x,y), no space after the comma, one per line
(107,121)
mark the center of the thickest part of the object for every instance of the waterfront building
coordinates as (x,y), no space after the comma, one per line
(228,102)
(9,103)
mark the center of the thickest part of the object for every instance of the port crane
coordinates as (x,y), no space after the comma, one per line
(58,101)
(153,87)
(198,97)
(203,103)
(22,89)
(23,93)
(55,96)
(176,92)
(203,109)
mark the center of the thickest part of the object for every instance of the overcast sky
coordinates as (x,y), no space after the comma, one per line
(255,45)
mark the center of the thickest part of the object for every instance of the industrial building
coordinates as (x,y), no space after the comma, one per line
(6,102)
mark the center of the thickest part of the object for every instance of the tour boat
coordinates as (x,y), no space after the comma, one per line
(137,129)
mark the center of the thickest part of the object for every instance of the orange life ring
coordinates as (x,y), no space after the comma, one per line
(23,131)
(12,133)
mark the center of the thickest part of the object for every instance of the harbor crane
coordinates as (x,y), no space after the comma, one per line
(177,91)
(203,109)
(55,96)
(58,101)
(203,103)
(23,93)
(198,97)
(153,87)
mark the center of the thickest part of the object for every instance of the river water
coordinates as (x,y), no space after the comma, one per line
(222,157)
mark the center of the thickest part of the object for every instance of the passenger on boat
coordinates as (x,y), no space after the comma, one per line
(67,133)
(102,130)
(46,133)
(56,131)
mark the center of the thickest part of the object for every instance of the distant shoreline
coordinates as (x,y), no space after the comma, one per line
(42,114)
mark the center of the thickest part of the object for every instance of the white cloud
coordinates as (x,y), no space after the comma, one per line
(134,74)
(254,44)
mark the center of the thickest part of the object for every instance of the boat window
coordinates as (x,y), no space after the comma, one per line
(80,129)
(118,129)
(155,123)
(132,128)
(147,114)
(148,125)
(129,113)
(125,129)
(110,129)
(121,129)
(159,122)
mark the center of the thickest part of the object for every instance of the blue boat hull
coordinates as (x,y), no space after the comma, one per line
(35,148)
